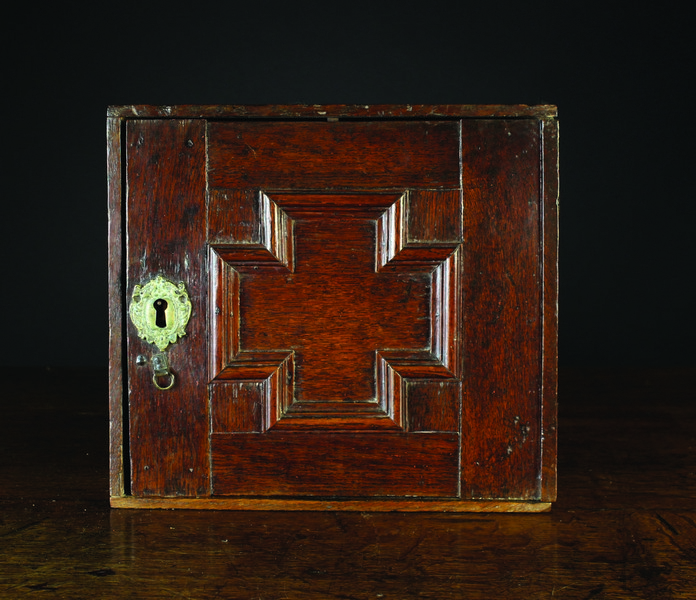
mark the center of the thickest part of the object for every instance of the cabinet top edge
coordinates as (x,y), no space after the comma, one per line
(324,111)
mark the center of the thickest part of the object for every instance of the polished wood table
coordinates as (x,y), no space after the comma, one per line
(624,525)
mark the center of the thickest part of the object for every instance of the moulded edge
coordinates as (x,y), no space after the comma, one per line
(275,504)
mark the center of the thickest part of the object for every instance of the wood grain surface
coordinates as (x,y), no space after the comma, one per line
(374,303)
(324,156)
(327,111)
(502,310)
(166,191)
(623,528)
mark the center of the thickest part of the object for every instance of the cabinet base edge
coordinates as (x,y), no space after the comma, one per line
(330,505)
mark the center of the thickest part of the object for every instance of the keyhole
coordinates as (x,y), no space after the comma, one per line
(161,310)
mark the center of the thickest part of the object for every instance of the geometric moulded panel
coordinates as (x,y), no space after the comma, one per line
(340,350)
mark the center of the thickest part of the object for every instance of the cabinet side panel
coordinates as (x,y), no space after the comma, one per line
(550,347)
(166,236)
(502,310)
(113,171)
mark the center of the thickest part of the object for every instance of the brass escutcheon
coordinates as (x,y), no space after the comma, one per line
(160,311)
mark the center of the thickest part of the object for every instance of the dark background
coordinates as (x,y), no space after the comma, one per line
(621,77)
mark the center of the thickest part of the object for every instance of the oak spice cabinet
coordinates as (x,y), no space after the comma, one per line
(333,307)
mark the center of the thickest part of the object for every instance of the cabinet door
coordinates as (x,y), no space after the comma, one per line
(366,308)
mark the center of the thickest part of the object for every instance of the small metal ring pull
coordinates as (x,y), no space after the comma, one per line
(160,365)
(166,387)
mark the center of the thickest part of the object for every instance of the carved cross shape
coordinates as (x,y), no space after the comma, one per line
(335,310)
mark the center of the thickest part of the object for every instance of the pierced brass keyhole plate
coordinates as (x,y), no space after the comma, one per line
(160,311)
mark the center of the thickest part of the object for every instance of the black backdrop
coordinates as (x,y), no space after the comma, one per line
(622,79)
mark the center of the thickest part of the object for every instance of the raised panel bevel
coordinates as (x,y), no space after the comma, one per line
(264,236)
(396,251)
(238,268)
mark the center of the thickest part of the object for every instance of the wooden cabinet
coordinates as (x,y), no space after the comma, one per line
(373,295)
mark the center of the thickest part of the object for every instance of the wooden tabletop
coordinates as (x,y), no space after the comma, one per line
(624,525)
